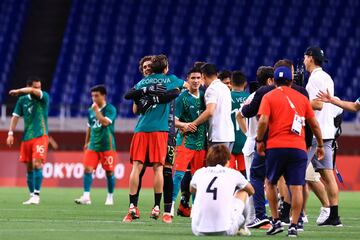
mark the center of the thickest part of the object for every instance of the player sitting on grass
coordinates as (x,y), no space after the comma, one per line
(217,210)
(191,140)
(151,137)
(33,106)
(99,144)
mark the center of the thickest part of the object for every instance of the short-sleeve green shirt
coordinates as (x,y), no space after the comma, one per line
(35,112)
(155,119)
(102,138)
(237,99)
(188,108)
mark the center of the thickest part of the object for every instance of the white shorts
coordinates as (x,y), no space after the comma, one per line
(236,222)
(311,175)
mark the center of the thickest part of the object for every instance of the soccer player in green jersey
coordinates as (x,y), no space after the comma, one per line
(99,144)
(32,105)
(238,95)
(149,143)
(191,140)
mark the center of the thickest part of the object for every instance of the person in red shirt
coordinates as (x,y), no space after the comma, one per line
(283,112)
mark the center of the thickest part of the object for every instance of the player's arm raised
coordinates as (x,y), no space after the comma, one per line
(327,98)
(103,120)
(13,123)
(26,90)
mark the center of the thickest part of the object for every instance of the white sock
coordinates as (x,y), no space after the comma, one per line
(110,195)
(86,194)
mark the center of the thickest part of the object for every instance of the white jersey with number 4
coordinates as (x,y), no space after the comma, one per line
(214,201)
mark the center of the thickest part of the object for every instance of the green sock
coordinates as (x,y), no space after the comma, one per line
(110,183)
(87,181)
(30,181)
(38,177)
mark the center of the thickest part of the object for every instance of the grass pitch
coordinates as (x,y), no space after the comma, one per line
(57,217)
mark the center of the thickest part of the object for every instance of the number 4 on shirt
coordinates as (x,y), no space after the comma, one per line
(214,190)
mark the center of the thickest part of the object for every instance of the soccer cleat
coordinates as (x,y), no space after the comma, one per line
(244,231)
(300,226)
(265,227)
(155,212)
(324,214)
(285,220)
(132,214)
(292,232)
(184,211)
(258,223)
(332,222)
(83,201)
(109,201)
(275,228)
(167,218)
(34,199)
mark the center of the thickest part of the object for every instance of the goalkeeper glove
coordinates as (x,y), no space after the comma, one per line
(156,89)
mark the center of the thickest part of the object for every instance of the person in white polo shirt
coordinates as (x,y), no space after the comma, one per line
(319,80)
(218,109)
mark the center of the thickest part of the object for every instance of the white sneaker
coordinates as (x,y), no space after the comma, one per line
(34,199)
(109,201)
(305,219)
(324,214)
(83,200)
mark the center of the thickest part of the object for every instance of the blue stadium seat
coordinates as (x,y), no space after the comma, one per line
(105,39)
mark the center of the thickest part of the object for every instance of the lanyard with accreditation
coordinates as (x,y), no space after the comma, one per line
(298,121)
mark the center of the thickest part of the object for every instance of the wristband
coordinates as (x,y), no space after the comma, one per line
(10,133)
(320,146)
(259,141)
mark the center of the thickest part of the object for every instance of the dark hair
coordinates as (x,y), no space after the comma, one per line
(99,88)
(193,70)
(217,154)
(209,70)
(238,78)
(159,63)
(224,74)
(317,62)
(142,60)
(199,64)
(284,62)
(263,73)
(32,79)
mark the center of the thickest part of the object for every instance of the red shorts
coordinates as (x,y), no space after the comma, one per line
(35,148)
(237,162)
(184,156)
(107,159)
(150,147)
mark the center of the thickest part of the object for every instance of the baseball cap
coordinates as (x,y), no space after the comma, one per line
(282,74)
(316,53)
